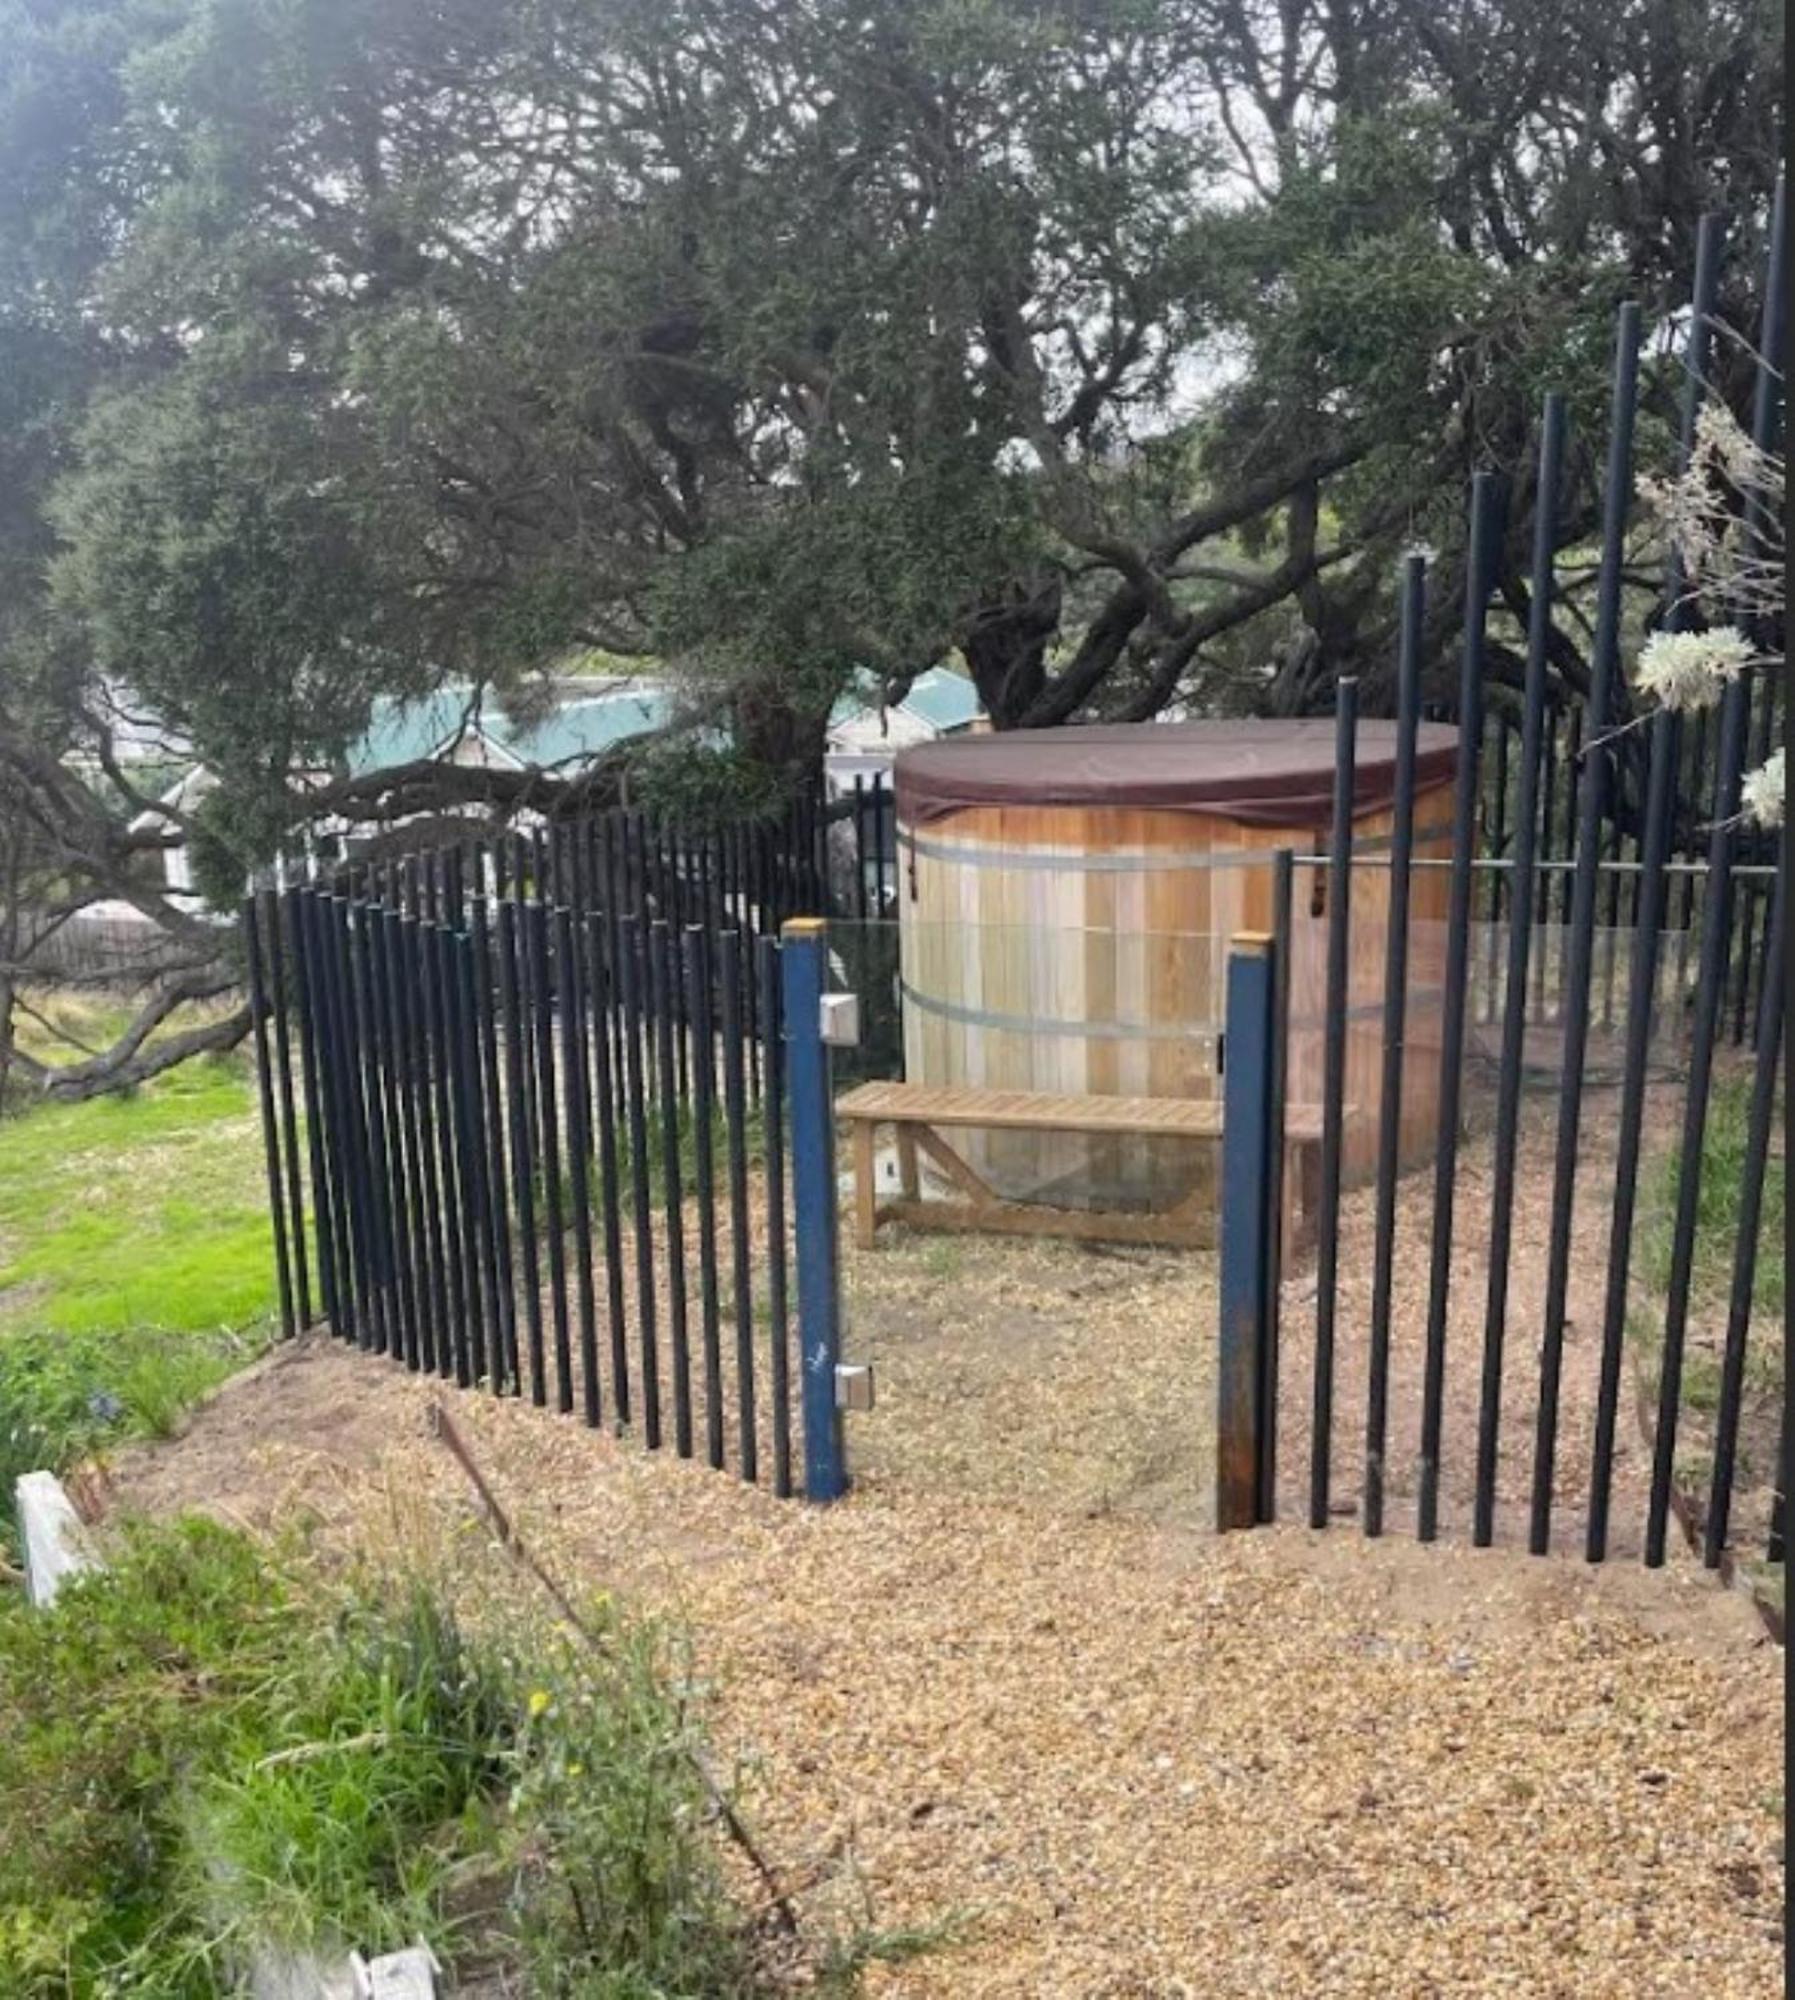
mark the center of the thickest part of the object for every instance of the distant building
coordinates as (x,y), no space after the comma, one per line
(583,720)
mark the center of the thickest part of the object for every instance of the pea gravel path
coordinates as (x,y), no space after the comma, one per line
(1131,1759)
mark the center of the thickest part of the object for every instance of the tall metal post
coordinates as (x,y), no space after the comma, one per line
(805,964)
(1242,1415)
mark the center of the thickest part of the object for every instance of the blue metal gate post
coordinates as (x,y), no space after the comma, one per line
(804,955)
(1246,1407)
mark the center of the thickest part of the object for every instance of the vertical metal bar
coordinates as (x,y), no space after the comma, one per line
(458,1179)
(1246,1140)
(1480,577)
(859,846)
(1709,998)
(1333,1091)
(704,1159)
(389,946)
(672,1180)
(602,1001)
(1520,932)
(390,1112)
(504,1358)
(735,1117)
(1283,884)
(1748,960)
(333,1059)
(300,958)
(773,1116)
(1498,853)
(1548,780)
(523,1164)
(570,1001)
(280,971)
(543,991)
(1604,669)
(351,1178)
(631,974)
(814,1200)
(1395,1029)
(1665,759)
(486,1348)
(1745,1247)
(259,1010)
(370,1030)
(435,1327)
(304,1004)
(371,1319)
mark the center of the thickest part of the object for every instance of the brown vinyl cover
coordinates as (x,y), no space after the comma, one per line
(1256,773)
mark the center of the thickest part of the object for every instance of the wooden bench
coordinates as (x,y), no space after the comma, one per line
(918,1114)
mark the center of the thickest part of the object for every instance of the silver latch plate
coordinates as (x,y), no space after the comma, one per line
(853,1386)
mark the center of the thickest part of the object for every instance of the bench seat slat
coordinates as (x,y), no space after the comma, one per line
(1027,1110)
(1042,1111)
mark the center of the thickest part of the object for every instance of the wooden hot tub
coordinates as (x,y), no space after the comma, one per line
(1067,900)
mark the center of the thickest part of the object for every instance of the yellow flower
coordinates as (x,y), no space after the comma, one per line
(539,1702)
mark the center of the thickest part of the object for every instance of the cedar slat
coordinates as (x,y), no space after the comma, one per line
(1043,1111)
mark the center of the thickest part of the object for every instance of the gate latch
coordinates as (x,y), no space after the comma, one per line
(840,1025)
(853,1386)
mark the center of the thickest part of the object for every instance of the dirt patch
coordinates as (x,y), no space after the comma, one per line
(1041,1374)
(1465,1343)
(1135,1759)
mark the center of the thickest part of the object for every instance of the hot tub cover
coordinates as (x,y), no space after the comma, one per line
(1272,774)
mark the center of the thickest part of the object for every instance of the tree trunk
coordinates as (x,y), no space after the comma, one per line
(1005,646)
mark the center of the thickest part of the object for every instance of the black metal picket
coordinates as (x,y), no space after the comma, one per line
(496,1085)
(1612,823)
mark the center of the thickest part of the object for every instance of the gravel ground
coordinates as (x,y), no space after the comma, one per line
(1114,1755)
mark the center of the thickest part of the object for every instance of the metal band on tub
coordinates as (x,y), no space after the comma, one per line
(1121,1031)
(1142,862)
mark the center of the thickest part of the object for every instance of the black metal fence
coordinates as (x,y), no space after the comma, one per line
(523,1109)
(532,1084)
(1606,892)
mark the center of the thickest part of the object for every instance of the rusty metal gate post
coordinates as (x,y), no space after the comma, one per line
(1245,1401)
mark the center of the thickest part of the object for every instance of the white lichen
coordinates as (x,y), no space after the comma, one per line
(1762,796)
(1690,670)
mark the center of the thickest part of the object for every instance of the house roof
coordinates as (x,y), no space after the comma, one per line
(588,724)
(939,703)
(407,732)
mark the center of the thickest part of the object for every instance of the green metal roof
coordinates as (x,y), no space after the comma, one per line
(941,697)
(407,732)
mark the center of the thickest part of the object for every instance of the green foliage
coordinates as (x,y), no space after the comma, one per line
(700,784)
(343,348)
(136,1263)
(203,1752)
(64,1395)
(1717,1210)
(141,1210)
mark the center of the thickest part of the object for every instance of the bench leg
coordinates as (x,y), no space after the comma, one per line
(909,1180)
(866,1209)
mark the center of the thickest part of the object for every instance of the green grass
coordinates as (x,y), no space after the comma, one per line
(136,1262)
(204,1752)
(147,1209)
(1717,1210)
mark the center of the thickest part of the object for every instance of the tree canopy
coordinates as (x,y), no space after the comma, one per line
(1112,348)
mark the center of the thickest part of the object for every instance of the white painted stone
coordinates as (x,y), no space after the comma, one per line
(401,1975)
(55,1541)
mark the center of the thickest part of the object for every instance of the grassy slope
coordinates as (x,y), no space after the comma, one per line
(136,1261)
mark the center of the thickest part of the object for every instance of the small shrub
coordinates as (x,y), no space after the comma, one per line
(202,1752)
